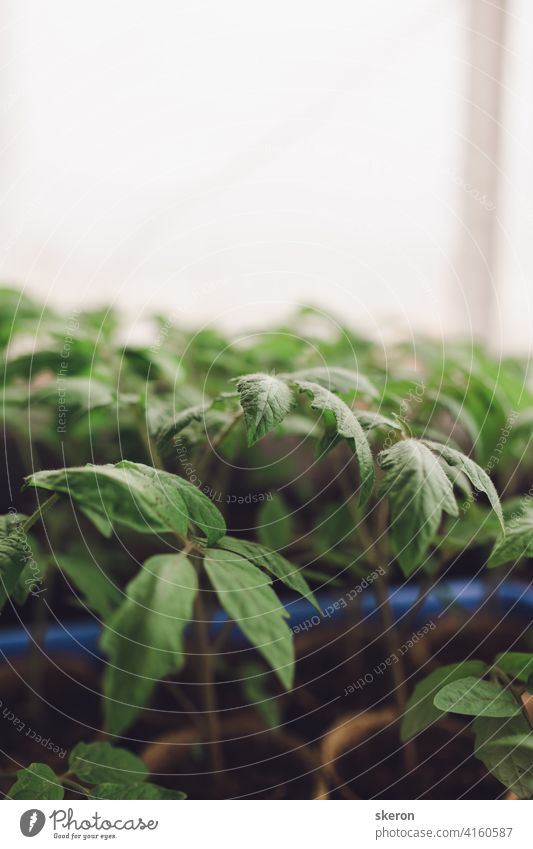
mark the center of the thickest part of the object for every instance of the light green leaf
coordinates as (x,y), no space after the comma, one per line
(98,762)
(420,711)
(273,562)
(475,474)
(135,790)
(36,782)
(335,379)
(418,492)
(144,638)
(506,748)
(266,400)
(517,664)
(274,523)
(247,597)
(517,542)
(473,697)
(347,427)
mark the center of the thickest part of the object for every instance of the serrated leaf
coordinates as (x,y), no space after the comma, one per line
(14,553)
(505,746)
(517,664)
(517,542)
(38,781)
(420,712)
(135,790)
(475,474)
(266,400)
(274,523)
(95,763)
(246,595)
(418,492)
(348,427)
(473,697)
(144,638)
(273,562)
(335,379)
(135,496)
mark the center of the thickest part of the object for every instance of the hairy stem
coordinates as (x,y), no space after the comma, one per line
(201,628)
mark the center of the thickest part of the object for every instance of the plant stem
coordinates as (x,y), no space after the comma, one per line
(39,512)
(201,628)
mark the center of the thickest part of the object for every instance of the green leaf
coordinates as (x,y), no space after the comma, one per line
(144,638)
(475,474)
(97,588)
(200,509)
(418,492)
(273,562)
(135,496)
(254,686)
(266,400)
(370,420)
(274,523)
(506,749)
(38,781)
(517,542)
(517,664)
(134,790)
(15,551)
(95,763)
(347,427)
(77,393)
(473,697)
(420,712)
(247,597)
(335,379)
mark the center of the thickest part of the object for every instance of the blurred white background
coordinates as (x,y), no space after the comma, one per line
(227,160)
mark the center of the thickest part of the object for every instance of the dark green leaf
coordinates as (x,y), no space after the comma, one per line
(138,790)
(505,746)
(246,595)
(517,542)
(517,664)
(420,711)
(274,523)
(144,638)
(36,782)
(266,400)
(348,427)
(418,492)
(273,562)
(95,763)
(473,697)
(98,590)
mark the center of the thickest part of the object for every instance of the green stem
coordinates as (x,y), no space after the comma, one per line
(201,628)
(41,510)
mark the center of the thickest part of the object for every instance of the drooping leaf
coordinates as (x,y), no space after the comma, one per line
(420,711)
(274,523)
(273,562)
(35,782)
(418,492)
(517,664)
(144,638)
(135,790)
(476,475)
(246,595)
(266,400)
(347,427)
(134,496)
(95,763)
(517,542)
(505,746)
(335,379)
(473,697)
